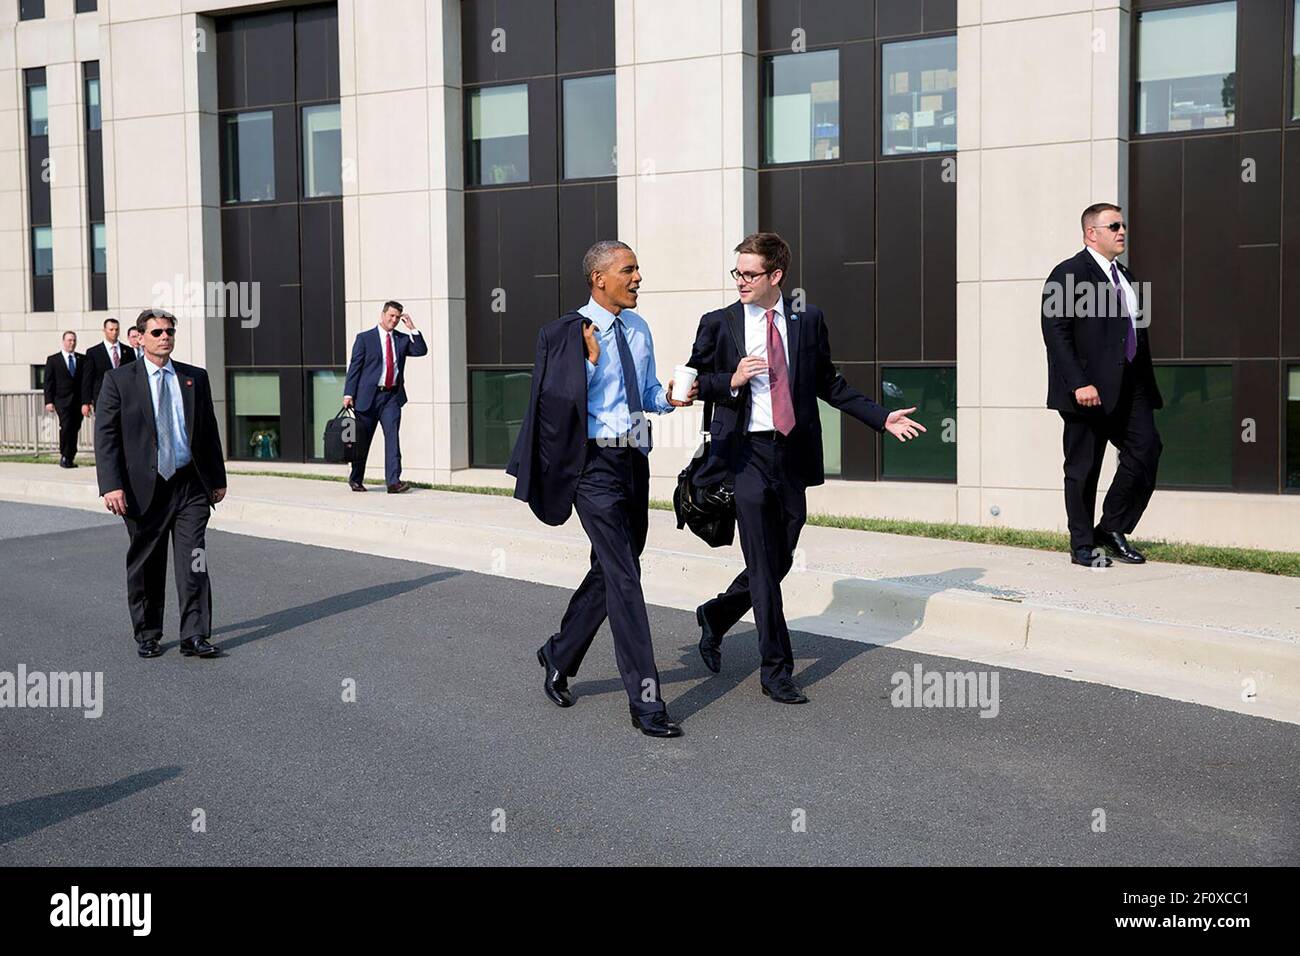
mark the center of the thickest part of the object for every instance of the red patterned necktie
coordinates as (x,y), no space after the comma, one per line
(115,359)
(388,361)
(778,382)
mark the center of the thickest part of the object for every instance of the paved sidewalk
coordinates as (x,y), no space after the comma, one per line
(1228,639)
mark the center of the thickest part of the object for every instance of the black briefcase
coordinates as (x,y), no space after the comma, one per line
(341,437)
(710,512)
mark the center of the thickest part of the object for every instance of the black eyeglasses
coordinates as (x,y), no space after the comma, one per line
(748,276)
(157,332)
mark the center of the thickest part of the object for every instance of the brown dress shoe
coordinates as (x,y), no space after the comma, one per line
(356,486)
(398,488)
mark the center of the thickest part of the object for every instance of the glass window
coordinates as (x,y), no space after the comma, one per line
(43,251)
(498,399)
(322,151)
(31,9)
(498,135)
(1196,425)
(918,89)
(255,410)
(589,127)
(87,6)
(832,454)
(934,393)
(99,239)
(248,157)
(324,399)
(93,121)
(1186,68)
(1293,427)
(801,107)
(38,111)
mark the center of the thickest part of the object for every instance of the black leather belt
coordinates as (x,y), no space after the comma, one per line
(770,436)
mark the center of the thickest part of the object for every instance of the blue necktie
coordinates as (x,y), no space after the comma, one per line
(630,385)
(72,364)
(166,446)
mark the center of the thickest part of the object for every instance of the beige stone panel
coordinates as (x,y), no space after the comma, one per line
(969,226)
(85,31)
(994,11)
(6,348)
(65,128)
(61,81)
(679,115)
(968,13)
(347,50)
(1109,41)
(393,141)
(391,49)
(199,36)
(152,248)
(1041,509)
(12,174)
(627,217)
(64,170)
(147,9)
(442,21)
(1020,448)
(67,213)
(918,501)
(11,134)
(625,141)
(1109,172)
(70,289)
(446,142)
(201,147)
(47,322)
(348,144)
(11,214)
(10,99)
(153,178)
(451,439)
(8,26)
(1230,520)
(968,506)
(13,289)
(447,344)
(138,92)
(739,217)
(968,445)
(1030,201)
(680,228)
(395,250)
(624,32)
(677,29)
(1013,366)
(417,438)
(43,42)
(1035,81)
(351,249)
(447,242)
(969,43)
(739,120)
(674,319)
(968,344)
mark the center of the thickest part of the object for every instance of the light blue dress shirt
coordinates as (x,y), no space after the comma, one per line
(607,410)
(174,417)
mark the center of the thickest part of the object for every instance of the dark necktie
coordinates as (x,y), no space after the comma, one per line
(631,386)
(1130,336)
(778,378)
(115,358)
(72,364)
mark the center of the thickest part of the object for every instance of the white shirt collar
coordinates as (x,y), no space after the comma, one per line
(1100,259)
(109,346)
(383,331)
(753,311)
(601,317)
(156,369)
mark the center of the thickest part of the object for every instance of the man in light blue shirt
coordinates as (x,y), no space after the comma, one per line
(609,414)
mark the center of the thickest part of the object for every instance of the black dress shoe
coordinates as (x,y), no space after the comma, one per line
(149,648)
(63,463)
(656,725)
(554,684)
(199,648)
(356,485)
(398,488)
(710,643)
(1089,558)
(786,691)
(1116,544)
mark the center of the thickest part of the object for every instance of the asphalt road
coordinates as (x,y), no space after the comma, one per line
(451,755)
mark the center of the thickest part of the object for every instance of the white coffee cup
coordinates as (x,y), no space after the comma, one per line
(683,379)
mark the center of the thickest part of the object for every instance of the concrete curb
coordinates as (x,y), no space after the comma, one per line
(1206,665)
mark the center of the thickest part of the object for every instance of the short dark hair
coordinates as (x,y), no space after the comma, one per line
(774,250)
(108,320)
(598,257)
(66,334)
(142,320)
(1090,214)
(393,304)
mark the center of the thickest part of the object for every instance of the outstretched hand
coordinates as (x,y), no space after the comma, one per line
(902,427)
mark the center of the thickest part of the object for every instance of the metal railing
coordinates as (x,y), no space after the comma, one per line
(26,427)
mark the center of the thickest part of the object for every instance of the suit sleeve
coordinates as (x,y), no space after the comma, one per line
(49,380)
(834,390)
(353,380)
(108,438)
(1058,333)
(212,437)
(87,379)
(714,383)
(416,346)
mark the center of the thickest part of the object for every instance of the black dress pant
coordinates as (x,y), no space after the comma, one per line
(1131,428)
(612,503)
(69,427)
(771,508)
(179,510)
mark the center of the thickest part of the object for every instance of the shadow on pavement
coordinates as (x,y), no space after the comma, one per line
(28,816)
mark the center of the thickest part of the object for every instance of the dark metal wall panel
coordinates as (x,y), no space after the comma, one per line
(939,15)
(899,261)
(857,112)
(274,255)
(1211,297)
(38,189)
(578,230)
(269,58)
(321,225)
(1262,46)
(939,264)
(543,131)
(316,32)
(1255,390)
(95,175)
(1259,214)
(1290,297)
(530,270)
(898,17)
(236,247)
(777,21)
(529,39)
(482,276)
(1254,316)
(1156,212)
(858,443)
(835,21)
(584,35)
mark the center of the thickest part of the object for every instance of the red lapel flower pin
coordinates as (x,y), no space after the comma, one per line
(189,382)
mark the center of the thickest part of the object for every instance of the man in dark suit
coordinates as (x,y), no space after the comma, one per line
(764,366)
(1100,379)
(160,466)
(376,389)
(585,443)
(133,342)
(64,372)
(101,359)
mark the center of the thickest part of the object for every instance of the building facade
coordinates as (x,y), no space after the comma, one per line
(273,172)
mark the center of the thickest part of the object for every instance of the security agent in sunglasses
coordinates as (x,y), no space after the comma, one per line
(1100,380)
(160,467)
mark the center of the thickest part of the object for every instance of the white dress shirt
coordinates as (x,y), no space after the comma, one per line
(109,346)
(1130,297)
(384,338)
(69,361)
(760,386)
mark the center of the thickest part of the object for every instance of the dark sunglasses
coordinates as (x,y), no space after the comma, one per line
(157,332)
(1114,226)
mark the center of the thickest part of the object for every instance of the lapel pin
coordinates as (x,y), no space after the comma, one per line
(189,382)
